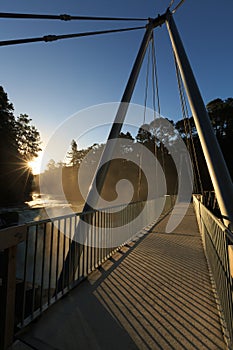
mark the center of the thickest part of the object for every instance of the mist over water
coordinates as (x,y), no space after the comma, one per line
(42,202)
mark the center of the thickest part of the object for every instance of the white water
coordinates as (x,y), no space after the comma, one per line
(41,207)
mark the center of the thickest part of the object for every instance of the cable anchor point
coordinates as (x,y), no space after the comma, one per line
(65,17)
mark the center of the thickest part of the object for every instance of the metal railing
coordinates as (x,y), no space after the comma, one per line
(218,244)
(43,260)
(210,202)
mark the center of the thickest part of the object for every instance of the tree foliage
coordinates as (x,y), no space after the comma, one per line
(27,137)
(221,117)
(76,156)
(19,142)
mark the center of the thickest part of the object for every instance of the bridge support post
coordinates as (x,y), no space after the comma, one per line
(218,170)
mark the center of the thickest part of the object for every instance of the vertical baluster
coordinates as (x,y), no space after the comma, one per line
(42,267)
(75,257)
(25,278)
(64,255)
(88,219)
(102,236)
(79,248)
(110,233)
(87,244)
(91,241)
(69,237)
(94,238)
(105,234)
(99,236)
(50,263)
(34,274)
(105,214)
(106,239)
(66,273)
(72,257)
(57,259)
(83,252)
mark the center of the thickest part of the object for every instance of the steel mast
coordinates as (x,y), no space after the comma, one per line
(218,170)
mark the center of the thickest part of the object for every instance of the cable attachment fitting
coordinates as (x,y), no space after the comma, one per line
(160,21)
(150,20)
(65,17)
(48,38)
(156,22)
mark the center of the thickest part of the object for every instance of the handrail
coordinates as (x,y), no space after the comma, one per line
(79,213)
(218,246)
(33,255)
(12,236)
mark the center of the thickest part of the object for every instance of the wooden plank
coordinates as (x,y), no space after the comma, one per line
(11,236)
(7,304)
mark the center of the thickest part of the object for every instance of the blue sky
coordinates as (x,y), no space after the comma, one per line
(52,81)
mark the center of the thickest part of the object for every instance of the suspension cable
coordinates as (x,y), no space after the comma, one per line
(144,121)
(155,89)
(146,84)
(65,17)
(176,8)
(171,3)
(49,38)
(188,130)
(155,96)
(155,81)
(185,116)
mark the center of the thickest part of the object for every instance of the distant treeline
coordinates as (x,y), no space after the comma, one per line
(154,138)
(119,169)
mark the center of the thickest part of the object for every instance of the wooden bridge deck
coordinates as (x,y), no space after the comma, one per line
(153,294)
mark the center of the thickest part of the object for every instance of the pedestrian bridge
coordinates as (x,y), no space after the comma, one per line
(63,287)
(157,291)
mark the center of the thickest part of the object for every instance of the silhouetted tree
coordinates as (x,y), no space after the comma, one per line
(221,117)
(19,143)
(184,126)
(73,154)
(76,156)
(27,137)
(146,137)
(155,136)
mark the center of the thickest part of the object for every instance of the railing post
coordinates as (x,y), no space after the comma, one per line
(7,304)
(9,239)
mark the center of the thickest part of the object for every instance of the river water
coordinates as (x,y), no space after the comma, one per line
(42,206)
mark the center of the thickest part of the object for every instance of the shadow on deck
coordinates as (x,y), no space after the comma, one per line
(154,294)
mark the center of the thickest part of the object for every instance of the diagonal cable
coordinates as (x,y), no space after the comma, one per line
(187,127)
(143,124)
(65,17)
(176,8)
(48,38)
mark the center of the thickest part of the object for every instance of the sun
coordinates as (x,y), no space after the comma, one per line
(35,165)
